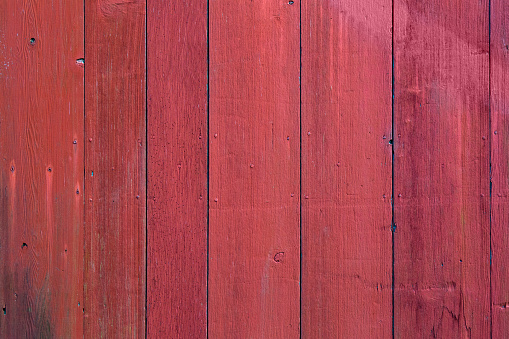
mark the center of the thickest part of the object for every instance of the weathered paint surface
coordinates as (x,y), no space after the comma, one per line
(499,63)
(441,169)
(177,169)
(115,151)
(254,169)
(346,169)
(41,169)
(298,95)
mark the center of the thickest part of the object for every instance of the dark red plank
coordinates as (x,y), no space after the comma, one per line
(177,169)
(41,173)
(441,169)
(254,169)
(115,266)
(500,167)
(346,169)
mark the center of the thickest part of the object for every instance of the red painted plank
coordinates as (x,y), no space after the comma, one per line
(346,169)
(441,169)
(177,169)
(254,169)
(500,167)
(115,266)
(41,173)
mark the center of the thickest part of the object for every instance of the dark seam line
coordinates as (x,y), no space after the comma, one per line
(490,159)
(208,167)
(300,169)
(83,225)
(393,226)
(146,168)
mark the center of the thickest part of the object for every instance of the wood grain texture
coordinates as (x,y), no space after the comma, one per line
(441,169)
(41,172)
(115,154)
(177,169)
(254,169)
(500,167)
(346,169)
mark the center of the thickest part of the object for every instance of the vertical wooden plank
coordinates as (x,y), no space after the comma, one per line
(346,169)
(441,169)
(177,169)
(115,169)
(41,173)
(499,51)
(254,169)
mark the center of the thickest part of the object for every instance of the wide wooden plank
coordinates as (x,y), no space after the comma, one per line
(441,169)
(177,169)
(115,159)
(346,169)
(499,51)
(41,173)
(254,169)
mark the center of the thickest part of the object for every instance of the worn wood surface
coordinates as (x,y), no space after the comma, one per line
(346,169)
(233,169)
(441,169)
(41,172)
(254,169)
(115,152)
(499,63)
(177,169)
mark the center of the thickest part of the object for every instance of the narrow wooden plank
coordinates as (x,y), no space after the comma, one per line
(499,51)
(254,169)
(177,169)
(346,169)
(441,169)
(115,198)
(41,173)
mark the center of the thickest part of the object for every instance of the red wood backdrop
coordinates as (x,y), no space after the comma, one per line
(254,169)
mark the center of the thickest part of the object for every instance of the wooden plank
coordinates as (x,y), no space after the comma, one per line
(499,65)
(441,169)
(346,169)
(254,169)
(115,267)
(177,169)
(41,173)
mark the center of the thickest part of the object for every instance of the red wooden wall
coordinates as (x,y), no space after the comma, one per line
(254,169)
